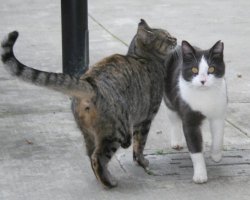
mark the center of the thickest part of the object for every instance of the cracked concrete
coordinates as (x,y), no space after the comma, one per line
(238,128)
(42,154)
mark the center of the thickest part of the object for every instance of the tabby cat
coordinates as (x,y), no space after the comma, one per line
(114,100)
(195,89)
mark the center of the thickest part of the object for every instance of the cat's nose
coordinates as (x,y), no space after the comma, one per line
(203,82)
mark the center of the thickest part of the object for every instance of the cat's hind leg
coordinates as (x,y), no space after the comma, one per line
(100,147)
(139,141)
(176,131)
(217,132)
(100,158)
(80,116)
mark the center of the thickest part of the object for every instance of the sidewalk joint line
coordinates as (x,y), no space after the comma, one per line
(241,102)
(109,32)
(121,165)
(238,128)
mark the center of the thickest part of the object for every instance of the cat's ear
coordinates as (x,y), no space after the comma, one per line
(144,32)
(187,49)
(143,24)
(217,48)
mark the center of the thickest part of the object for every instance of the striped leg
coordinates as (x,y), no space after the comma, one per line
(99,161)
(139,141)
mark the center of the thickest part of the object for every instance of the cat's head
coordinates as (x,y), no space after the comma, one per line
(203,69)
(157,42)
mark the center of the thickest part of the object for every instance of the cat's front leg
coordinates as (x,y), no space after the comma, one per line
(217,132)
(199,165)
(192,131)
(139,141)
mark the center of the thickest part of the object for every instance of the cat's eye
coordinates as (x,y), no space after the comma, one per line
(211,70)
(195,70)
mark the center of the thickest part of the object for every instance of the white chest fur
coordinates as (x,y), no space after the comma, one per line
(211,102)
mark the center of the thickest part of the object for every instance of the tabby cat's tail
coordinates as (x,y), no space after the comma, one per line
(64,83)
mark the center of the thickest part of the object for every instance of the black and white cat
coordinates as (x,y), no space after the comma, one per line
(195,89)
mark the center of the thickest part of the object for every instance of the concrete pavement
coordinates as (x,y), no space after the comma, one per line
(42,155)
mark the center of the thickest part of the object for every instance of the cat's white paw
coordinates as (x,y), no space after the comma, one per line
(200,178)
(216,156)
(200,171)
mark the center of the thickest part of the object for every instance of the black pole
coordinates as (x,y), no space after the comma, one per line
(75,38)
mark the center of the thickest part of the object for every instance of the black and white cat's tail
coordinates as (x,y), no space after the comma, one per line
(64,83)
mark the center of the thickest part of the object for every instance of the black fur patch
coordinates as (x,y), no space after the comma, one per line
(7,45)
(19,70)
(35,74)
(7,56)
(191,127)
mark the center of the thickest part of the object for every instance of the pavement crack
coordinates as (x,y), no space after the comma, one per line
(238,128)
(121,165)
(239,102)
(109,32)
(152,173)
(215,165)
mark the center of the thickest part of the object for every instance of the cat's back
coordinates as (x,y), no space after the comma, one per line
(172,71)
(120,76)
(173,65)
(114,65)
(122,69)
(115,59)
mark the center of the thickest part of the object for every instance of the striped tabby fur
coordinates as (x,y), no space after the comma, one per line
(114,100)
(61,82)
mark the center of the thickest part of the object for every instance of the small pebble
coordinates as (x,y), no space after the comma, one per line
(28,141)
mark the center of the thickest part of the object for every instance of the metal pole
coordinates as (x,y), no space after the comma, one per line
(75,38)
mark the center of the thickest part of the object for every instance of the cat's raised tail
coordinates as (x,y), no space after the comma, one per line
(64,83)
